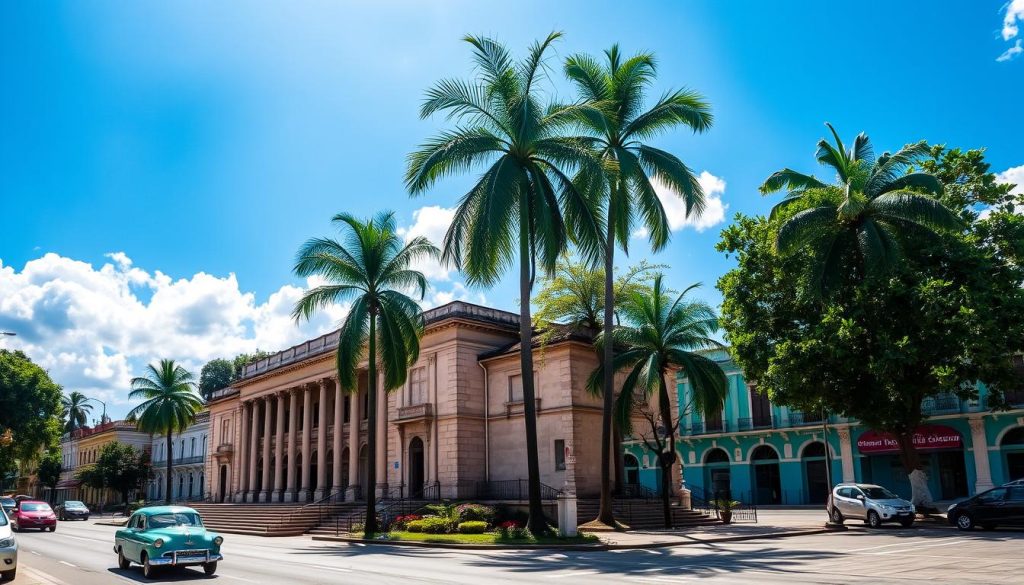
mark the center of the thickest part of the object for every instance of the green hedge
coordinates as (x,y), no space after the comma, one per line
(430,525)
(472,527)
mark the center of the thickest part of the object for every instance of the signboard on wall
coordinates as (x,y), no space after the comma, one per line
(926,438)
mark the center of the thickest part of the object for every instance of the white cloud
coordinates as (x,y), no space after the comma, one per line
(1014,175)
(675,208)
(1011,53)
(94,329)
(432,223)
(1014,12)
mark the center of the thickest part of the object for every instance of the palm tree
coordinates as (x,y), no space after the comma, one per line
(664,335)
(170,404)
(524,203)
(370,267)
(615,92)
(860,223)
(77,410)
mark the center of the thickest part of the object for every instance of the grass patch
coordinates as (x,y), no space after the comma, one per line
(487,538)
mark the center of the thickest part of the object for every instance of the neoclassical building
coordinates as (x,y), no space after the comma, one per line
(188,462)
(286,432)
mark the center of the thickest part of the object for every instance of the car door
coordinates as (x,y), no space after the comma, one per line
(991,507)
(131,541)
(849,507)
(1015,506)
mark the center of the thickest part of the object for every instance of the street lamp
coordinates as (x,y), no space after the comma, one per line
(103,417)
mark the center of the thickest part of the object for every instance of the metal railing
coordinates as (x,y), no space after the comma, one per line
(940,403)
(389,509)
(799,419)
(711,504)
(636,492)
(749,424)
(512,489)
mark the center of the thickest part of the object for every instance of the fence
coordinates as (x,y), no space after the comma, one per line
(713,504)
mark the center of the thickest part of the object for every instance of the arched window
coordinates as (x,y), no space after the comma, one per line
(193,447)
(716,456)
(1014,437)
(764,452)
(815,449)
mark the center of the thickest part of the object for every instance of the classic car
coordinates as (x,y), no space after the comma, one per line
(167,536)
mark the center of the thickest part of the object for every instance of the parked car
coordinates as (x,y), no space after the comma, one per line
(71,510)
(161,536)
(1014,482)
(8,550)
(33,514)
(871,503)
(8,504)
(1001,506)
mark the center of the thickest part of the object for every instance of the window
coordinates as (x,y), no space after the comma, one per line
(366,405)
(515,388)
(418,386)
(193,447)
(992,496)
(1016,494)
(559,455)
(348,408)
(316,414)
(760,408)
(225,430)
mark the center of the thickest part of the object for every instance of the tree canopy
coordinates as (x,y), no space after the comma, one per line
(119,467)
(216,374)
(30,404)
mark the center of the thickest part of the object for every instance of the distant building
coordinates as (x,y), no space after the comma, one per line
(82,448)
(188,471)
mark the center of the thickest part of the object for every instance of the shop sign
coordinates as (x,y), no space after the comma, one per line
(926,438)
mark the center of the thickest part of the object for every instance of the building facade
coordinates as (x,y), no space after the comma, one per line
(286,432)
(768,454)
(188,462)
(84,446)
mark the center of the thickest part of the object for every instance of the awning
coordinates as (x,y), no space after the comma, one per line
(68,484)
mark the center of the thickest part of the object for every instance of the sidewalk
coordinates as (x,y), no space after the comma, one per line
(770,524)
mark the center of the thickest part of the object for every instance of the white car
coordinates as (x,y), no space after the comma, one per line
(8,550)
(871,503)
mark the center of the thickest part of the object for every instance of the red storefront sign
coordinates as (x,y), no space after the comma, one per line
(926,438)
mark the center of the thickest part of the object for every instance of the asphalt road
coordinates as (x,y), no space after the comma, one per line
(80,554)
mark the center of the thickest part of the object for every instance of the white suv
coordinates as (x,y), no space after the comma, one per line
(8,550)
(870,503)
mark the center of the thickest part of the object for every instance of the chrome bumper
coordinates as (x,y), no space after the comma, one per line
(176,560)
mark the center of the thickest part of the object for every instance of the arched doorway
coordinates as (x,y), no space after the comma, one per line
(1012,447)
(815,473)
(223,482)
(717,476)
(632,467)
(417,468)
(767,479)
(363,471)
(313,472)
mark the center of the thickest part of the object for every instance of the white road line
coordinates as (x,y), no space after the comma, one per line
(917,547)
(237,578)
(876,547)
(570,574)
(330,568)
(44,578)
(35,553)
(68,564)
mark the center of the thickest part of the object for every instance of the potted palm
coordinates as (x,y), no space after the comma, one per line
(724,507)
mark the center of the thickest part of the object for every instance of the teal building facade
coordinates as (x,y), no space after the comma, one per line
(763,453)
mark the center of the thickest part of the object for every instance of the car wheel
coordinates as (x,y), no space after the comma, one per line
(86,518)
(148,570)
(837,516)
(874,520)
(907,522)
(52,528)
(965,522)
(9,575)
(210,568)
(122,563)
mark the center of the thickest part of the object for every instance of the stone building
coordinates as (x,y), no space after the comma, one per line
(82,447)
(286,432)
(188,462)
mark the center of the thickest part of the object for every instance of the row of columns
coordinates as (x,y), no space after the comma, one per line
(280,484)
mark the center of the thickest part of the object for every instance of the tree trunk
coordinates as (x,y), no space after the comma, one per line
(167,481)
(370,527)
(667,458)
(921,494)
(605,514)
(537,523)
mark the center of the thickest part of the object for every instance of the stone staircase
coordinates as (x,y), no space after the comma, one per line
(264,519)
(641,514)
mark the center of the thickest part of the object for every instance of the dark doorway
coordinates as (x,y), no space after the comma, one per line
(632,467)
(767,478)
(417,468)
(815,472)
(1015,465)
(312,472)
(363,461)
(223,483)
(760,409)
(344,467)
(952,475)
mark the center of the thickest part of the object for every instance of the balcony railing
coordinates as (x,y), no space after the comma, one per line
(751,424)
(942,403)
(180,460)
(800,419)
(415,412)
(225,448)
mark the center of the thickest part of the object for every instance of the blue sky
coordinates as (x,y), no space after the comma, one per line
(160,163)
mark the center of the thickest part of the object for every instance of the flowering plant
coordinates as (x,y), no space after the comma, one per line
(402,521)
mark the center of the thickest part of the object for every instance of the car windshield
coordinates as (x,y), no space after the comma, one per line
(35,507)
(74,505)
(177,519)
(879,493)
(8,502)
(3,519)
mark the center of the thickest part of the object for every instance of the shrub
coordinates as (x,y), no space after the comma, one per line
(402,522)
(472,527)
(477,512)
(511,529)
(357,528)
(430,525)
(504,513)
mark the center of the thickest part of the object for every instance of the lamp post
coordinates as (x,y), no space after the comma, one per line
(103,417)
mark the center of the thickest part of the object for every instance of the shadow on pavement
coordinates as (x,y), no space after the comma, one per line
(165,575)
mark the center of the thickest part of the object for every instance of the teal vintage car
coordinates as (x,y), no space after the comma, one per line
(161,536)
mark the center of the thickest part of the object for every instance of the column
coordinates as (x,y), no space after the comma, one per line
(845,453)
(381,458)
(322,488)
(307,424)
(266,487)
(242,462)
(339,401)
(254,447)
(279,450)
(354,417)
(293,425)
(979,445)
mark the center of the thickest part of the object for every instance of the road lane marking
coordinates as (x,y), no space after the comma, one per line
(330,568)
(35,553)
(237,578)
(917,547)
(44,578)
(570,574)
(68,564)
(876,547)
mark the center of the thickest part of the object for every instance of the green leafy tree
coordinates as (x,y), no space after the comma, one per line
(524,204)
(170,405)
(614,116)
(370,267)
(858,226)
(947,316)
(48,471)
(30,403)
(663,334)
(216,374)
(76,410)
(118,467)
(242,359)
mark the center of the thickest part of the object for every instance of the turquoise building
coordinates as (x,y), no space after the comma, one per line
(768,454)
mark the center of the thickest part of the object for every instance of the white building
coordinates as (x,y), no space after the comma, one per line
(188,472)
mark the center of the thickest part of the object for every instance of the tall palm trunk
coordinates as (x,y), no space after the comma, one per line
(666,458)
(370,527)
(605,514)
(536,523)
(168,482)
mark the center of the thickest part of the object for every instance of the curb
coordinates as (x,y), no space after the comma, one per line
(595,547)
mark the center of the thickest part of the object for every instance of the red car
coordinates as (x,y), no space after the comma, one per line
(33,514)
